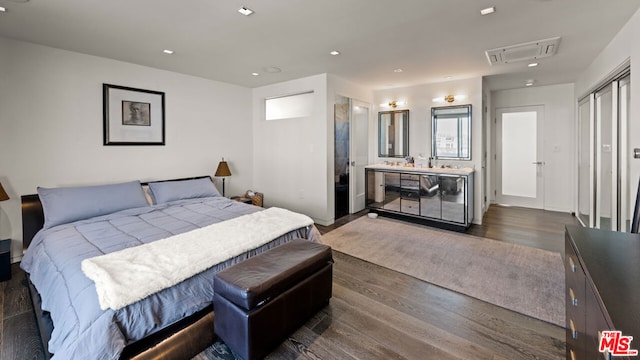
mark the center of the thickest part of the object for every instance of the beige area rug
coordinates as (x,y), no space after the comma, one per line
(519,278)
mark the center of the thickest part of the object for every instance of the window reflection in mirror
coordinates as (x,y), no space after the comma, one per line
(451,132)
(393,133)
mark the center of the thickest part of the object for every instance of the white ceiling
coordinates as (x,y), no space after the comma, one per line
(431,40)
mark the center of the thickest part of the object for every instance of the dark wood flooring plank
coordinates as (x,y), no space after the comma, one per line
(309,345)
(460,315)
(21,339)
(400,332)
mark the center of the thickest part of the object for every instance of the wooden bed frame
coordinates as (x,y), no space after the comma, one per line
(181,340)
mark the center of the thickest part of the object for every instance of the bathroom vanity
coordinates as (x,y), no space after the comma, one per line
(438,196)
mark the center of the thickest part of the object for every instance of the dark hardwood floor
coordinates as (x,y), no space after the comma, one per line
(377,313)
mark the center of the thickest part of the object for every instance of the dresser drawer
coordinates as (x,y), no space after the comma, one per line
(410,207)
(410,194)
(410,178)
(575,281)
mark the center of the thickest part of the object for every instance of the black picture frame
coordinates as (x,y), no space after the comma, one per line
(132,116)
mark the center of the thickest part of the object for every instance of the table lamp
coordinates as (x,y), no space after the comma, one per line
(223,171)
(3,194)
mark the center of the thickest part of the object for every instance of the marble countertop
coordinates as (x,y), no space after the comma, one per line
(438,170)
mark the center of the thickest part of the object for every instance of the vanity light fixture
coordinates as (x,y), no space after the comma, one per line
(394,104)
(449,98)
(487,11)
(245,11)
(168,52)
(335,53)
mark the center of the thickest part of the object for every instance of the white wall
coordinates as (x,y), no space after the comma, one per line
(290,155)
(419,102)
(51,127)
(624,46)
(558,134)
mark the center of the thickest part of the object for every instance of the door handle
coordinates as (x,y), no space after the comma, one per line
(538,162)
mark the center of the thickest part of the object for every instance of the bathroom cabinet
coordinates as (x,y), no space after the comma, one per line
(438,196)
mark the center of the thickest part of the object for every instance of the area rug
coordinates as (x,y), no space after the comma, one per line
(519,278)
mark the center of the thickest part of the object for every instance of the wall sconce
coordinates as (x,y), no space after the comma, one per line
(394,104)
(449,98)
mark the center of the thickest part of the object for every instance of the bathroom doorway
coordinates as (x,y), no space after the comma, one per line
(351,125)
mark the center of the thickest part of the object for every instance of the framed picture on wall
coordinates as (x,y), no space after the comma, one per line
(132,116)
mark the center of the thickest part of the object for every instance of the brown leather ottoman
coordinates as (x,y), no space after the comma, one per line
(260,301)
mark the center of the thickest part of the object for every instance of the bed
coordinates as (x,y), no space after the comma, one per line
(66,227)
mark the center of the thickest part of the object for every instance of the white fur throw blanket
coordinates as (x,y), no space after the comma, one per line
(129,275)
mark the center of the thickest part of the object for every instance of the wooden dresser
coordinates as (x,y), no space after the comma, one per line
(602,289)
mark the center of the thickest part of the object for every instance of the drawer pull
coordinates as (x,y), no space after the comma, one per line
(572,264)
(573,355)
(574,299)
(574,332)
(606,354)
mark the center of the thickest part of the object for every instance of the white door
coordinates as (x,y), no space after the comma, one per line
(358,154)
(519,156)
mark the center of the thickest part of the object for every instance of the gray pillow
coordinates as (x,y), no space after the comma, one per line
(67,204)
(164,191)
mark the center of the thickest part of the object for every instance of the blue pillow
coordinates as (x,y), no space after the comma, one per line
(164,191)
(67,204)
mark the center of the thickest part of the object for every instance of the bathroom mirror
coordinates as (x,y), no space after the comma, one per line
(393,133)
(451,132)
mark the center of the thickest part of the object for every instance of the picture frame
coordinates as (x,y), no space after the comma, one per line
(133,116)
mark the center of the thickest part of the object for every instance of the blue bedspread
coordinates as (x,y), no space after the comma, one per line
(81,329)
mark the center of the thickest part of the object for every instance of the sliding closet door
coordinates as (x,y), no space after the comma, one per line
(606,160)
(627,187)
(605,192)
(586,183)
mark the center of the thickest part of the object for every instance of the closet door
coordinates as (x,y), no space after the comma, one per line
(627,188)
(586,143)
(606,159)
(605,191)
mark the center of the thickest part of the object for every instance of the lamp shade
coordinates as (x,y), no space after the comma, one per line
(3,194)
(223,169)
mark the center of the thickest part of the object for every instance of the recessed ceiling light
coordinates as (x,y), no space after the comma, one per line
(2,9)
(529,82)
(255,74)
(167,51)
(533,65)
(335,52)
(487,11)
(245,11)
(397,70)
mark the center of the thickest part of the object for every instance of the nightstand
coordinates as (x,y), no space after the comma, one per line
(5,260)
(241,199)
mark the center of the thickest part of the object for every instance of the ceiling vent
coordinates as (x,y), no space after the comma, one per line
(523,52)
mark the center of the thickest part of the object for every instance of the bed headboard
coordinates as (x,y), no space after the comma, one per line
(33,215)
(32,218)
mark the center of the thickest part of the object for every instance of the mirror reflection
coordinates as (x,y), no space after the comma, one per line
(451,132)
(393,133)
